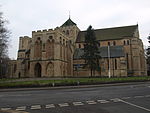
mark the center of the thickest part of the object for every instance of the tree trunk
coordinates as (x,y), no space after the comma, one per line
(91,72)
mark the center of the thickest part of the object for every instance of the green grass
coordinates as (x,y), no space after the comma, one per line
(69,81)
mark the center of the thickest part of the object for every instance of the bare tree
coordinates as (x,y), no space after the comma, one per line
(4,38)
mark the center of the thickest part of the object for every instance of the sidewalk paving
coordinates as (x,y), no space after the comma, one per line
(12,111)
(71,87)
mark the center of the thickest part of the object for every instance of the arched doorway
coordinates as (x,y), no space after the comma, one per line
(37,70)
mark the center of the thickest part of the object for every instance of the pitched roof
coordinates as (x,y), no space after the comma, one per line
(110,33)
(69,22)
(115,51)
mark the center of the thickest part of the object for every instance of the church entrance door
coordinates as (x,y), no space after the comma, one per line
(37,70)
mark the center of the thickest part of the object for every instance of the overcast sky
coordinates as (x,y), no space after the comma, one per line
(25,16)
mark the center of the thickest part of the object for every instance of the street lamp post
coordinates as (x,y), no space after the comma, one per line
(109,61)
(1,68)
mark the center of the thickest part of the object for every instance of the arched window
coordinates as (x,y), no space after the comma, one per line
(99,44)
(64,41)
(28,64)
(127,57)
(50,37)
(67,32)
(128,42)
(124,42)
(79,46)
(38,48)
(84,45)
(38,38)
(49,49)
(60,40)
(114,43)
(15,67)
(44,46)
(115,64)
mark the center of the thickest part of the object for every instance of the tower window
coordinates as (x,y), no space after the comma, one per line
(67,32)
(50,37)
(38,38)
(63,41)
(60,39)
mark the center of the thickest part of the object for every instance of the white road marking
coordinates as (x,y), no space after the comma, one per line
(135,105)
(22,108)
(138,96)
(115,100)
(102,101)
(63,105)
(147,95)
(78,103)
(91,102)
(126,97)
(50,106)
(36,107)
(5,109)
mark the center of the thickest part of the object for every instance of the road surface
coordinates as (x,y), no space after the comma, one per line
(133,98)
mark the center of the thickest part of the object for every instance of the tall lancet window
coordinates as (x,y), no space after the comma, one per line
(38,48)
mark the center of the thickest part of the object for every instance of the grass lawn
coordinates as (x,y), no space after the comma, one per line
(5,83)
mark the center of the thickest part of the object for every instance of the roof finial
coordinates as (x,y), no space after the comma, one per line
(69,14)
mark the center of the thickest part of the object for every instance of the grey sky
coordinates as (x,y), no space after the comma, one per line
(26,16)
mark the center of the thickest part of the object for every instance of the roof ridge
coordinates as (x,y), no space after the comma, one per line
(114,27)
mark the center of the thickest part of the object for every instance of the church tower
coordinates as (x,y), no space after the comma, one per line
(70,29)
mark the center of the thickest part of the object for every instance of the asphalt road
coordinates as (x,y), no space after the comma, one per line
(107,99)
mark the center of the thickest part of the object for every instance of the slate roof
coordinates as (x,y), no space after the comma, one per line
(115,51)
(69,22)
(110,33)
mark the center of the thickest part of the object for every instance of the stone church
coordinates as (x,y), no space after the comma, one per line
(57,53)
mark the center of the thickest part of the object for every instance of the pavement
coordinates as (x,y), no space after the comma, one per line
(121,98)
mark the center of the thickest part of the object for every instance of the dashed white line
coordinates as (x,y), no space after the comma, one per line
(91,102)
(135,105)
(5,109)
(78,103)
(50,106)
(22,108)
(138,96)
(36,107)
(147,95)
(102,101)
(115,100)
(126,97)
(63,105)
